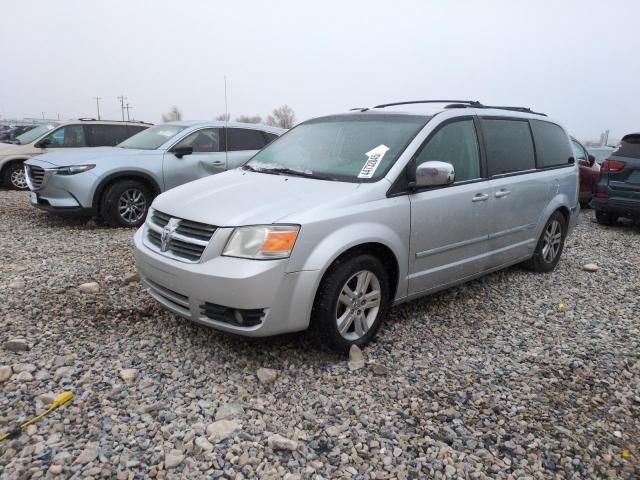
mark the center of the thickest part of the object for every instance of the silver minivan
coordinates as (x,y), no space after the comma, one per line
(346,215)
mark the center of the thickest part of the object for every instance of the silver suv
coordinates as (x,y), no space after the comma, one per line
(60,136)
(346,215)
(119,183)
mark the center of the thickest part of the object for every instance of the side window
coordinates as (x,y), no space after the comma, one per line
(578,151)
(206,140)
(67,137)
(106,135)
(455,143)
(239,139)
(509,146)
(552,147)
(270,136)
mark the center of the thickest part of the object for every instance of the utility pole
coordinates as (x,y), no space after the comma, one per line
(128,107)
(122,98)
(98,105)
(42,115)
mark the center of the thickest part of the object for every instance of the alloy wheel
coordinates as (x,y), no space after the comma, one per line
(18,179)
(552,241)
(358,305)
(132,205)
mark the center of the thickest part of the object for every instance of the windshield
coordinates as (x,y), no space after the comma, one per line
(35,133)
(352,148)
(152,138)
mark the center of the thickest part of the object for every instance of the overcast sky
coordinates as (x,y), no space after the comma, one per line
(575,60)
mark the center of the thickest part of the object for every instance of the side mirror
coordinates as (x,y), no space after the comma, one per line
(44,143)
(434,173)
(592,160)
(182,151)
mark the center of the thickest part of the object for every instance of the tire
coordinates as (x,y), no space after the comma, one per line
(330,305)
(606,218)
(125,204)
(14,176)
(550,245)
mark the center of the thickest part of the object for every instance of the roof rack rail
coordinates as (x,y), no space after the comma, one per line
(469,102)
(86,119)
(91,119)
(512,109)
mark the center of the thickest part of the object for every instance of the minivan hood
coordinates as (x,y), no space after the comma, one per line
(239,197)
(81,156)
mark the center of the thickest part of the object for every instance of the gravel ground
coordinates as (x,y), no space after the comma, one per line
(516,375)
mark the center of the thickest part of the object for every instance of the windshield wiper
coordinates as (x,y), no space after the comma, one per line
(294,173)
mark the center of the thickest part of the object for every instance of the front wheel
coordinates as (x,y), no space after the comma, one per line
(549,248)
(15,178)
(352,300)
(125,204)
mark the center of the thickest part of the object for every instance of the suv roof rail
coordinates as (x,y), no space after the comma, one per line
(91,119)
(459,104)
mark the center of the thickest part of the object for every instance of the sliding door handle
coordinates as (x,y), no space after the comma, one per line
(502,193)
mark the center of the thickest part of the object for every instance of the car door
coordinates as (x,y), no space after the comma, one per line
(242,144)
(520,191)
(585,169)
(450,225)
(207,158)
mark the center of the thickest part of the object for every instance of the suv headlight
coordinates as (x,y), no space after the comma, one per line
(72,169)
(262,242)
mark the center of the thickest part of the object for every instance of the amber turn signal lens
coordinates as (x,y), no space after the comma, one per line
(277,242)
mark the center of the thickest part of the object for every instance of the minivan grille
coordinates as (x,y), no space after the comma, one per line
(187,241)
(36,175)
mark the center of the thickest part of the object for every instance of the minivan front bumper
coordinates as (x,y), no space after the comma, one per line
(242,296)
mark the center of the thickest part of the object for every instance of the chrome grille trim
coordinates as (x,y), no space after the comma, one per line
(186,243)
(35,175)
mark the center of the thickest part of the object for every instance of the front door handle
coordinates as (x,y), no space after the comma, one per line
(502,193)
(480,197)
(217,163)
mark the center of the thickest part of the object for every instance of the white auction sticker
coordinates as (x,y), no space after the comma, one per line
(374,157)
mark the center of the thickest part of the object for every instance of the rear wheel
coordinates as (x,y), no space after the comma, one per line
(14,176)
(351,302)
(125,204)
(550,244)
(606,218)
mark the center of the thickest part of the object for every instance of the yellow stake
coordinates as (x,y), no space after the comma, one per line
(60,400)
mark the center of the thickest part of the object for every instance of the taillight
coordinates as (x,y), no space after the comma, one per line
(612,166)
(602,194)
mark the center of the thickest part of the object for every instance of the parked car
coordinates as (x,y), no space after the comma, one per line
(58,136)
(601,153)
(119,183)
(589,171)
(618,189)
(17,131)
(346,215)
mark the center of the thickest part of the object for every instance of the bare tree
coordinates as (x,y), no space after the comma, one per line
(224,117)
(282,117)
(173,115)
(249,119)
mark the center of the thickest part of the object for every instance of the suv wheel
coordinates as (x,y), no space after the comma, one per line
(606,218)
(14,176)
(351,302)
(125,204)
(550,245)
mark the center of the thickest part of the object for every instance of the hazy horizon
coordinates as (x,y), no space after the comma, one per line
(321,58)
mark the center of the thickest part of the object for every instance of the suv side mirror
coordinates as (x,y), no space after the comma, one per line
(592,160)
(434,173)
(182,151)
(42,143)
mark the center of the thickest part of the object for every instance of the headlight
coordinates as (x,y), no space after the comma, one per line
(72,169)
(262,242)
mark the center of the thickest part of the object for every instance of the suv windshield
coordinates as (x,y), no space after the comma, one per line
(352,148)
(152,138)
(34,133)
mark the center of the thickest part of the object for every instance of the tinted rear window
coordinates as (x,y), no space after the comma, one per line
(239,139)
(629,147)
(509,146)
(552,144)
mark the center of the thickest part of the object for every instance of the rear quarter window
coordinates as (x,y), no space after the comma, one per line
(552,144)
(509,146)
(629,147)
